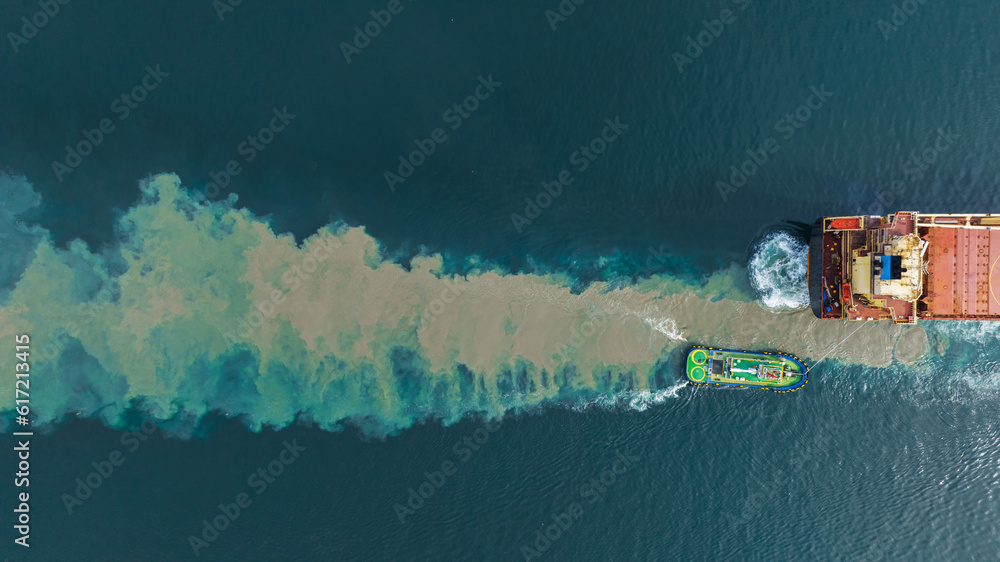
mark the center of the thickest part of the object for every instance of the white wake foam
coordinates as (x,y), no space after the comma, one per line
(667,327)
(778,271)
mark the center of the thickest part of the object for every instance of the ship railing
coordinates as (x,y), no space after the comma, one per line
(956,220)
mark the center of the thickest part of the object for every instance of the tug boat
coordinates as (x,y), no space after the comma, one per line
(780,372)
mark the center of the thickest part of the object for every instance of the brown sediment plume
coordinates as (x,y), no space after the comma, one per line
(316,327)
(912,345)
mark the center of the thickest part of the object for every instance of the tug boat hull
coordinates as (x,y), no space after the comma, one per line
(780,372)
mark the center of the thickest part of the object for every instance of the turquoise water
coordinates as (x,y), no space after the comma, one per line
(382,328)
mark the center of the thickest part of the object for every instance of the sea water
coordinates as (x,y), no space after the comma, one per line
(463,388)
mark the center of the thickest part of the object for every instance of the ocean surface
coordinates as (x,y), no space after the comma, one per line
(414,280)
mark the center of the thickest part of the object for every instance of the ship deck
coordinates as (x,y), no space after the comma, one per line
(836,251)
(963,273)
(730,367)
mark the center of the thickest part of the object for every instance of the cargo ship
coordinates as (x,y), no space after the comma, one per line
(906,266)
(779,372)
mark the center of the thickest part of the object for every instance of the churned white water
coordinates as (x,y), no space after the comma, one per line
(778,271)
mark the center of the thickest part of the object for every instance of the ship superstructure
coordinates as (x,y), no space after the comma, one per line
(906,266)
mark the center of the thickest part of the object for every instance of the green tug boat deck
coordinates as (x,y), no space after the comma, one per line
(779,372)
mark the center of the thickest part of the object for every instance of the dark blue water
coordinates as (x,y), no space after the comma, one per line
(895,462)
